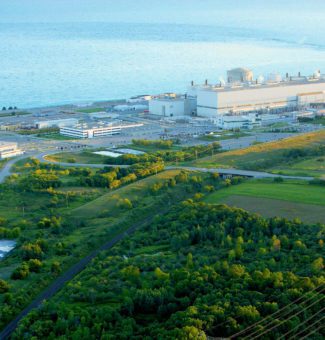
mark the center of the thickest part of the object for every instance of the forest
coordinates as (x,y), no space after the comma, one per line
(199,271)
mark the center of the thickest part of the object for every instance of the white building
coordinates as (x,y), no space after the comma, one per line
(237,122)
(175,107)
(8,149)
(88,130)
(45,124)
(93,130)
(139,99)
(242,98)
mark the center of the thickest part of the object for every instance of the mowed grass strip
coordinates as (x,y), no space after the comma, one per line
(292,191)
(265,151)
(132,192)
(269,207)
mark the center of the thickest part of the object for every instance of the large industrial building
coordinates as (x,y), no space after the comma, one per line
(172,106)
(8,149)
(271,96)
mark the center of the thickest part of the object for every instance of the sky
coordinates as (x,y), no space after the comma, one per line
(170,11)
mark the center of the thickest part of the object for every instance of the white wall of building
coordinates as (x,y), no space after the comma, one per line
(56,123)
(8,149)
(213,101)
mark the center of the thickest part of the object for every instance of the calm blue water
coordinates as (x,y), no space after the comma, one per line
(44,64)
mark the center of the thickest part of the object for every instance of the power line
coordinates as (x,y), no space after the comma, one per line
(282,322)
(311,326)
(275,313)
(312,332)
(300,324)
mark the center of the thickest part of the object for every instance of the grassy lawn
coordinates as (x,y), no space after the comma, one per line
(313,166)
(151,148)
(270,152)
(91,110)
(84,157)
(13,114)
(55,136)
(293,191)
(133,192)
(223,136)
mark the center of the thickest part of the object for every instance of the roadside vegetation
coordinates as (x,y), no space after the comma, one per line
(317,120)
(266,156)
(196,272)
(165,153)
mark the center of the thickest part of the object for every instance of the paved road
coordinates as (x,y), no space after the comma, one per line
(67,276)
(237,172)
(6,170)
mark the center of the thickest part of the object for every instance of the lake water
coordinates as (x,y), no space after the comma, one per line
(44,64)
(6,246)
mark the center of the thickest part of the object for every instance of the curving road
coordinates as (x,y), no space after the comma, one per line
(5,171)
(237,172)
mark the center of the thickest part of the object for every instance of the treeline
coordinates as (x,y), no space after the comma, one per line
(163,144)
(199,271)
(46,176)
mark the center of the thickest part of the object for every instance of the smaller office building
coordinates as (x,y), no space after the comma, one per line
(88,130)
(237,122)
(8,149)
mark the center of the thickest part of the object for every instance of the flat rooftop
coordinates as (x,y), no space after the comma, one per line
(252,86)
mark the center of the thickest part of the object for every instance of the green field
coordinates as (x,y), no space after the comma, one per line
(91,110)
(289,199)
(310,167)
(262,156)
(83,157)
(55,136)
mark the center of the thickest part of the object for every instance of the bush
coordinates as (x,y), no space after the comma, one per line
(21,272)
(4,286)
(34,265)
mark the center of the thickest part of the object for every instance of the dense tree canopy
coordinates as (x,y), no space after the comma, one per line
(201,270)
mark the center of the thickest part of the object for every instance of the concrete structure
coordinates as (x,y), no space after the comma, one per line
(237,122)
(87,130)
(98,129)
(44,124)
(288,95)
(239,75)
(8,149)
(139,99)
(10,126)
(102,115)
(173,107)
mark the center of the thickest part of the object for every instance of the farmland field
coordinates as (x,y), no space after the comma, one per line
(289,199)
